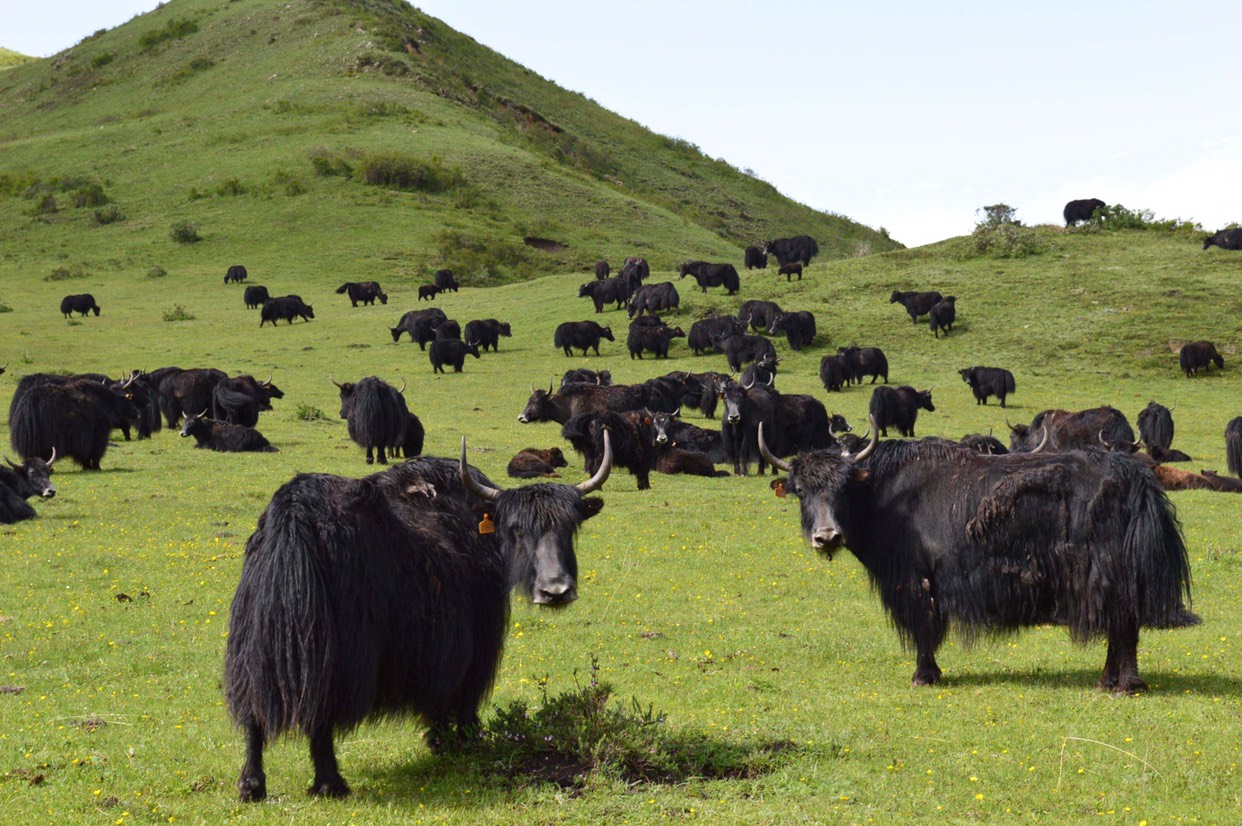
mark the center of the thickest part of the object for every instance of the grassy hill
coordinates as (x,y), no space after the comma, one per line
(10,58)
(260,123)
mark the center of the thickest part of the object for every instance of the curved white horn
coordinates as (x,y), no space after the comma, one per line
(870,446)
(1042,442)
(479,490)
(52,461)
(774,461)
(601,475)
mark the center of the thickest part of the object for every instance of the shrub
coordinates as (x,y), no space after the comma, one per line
(308,413)
(178,313)
(231,186)
(481,258)
(406,172)
(172,30)
(580,732)
(5,308)
(110,215)
(1004,241)
(90,195)
(184,232)
(67,273)
(45,205)
(327,163)
(101,60)
(996,215)
(157,272)
(1118,217)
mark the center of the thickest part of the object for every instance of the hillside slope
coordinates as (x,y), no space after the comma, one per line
(258,122)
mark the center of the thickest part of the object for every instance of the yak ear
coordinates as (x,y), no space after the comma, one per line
(860,474)
(592,505)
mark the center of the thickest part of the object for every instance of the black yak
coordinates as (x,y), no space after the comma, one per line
(608,291)
(83,303)
(990,544)
(255,296)
(711,275)
(741,349)
(1226,239)
(451,352)
(240,399)
(1082,430)
(420,324)
(487,333)
(1155,427)
(835,372)
(445,282)
(1199,355)
(583,375)
(287,307)
(865,361)
(580,335)
(602,269)
(916,303)
(798,326)
(988,381)
(71,416)
(787,250)
(428,292)
(1233,446)
(364,291)
(758,314)
(941,317)
(754,258)
(1082,210)
(653,298)
(182,392)
(899,407)
(30,478)
(376,414)
(211,434)
(701,332)
(236,273)
(378,597)
(790,270)
(654,339)
(632,441)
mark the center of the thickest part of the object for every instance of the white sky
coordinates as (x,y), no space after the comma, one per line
(907,115)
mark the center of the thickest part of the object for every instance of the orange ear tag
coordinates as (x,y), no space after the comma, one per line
(487,525)
(778,488)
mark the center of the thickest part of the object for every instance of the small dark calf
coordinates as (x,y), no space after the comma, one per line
(790,270)
(229,438)
(28,479)
(428,291)
(531,463)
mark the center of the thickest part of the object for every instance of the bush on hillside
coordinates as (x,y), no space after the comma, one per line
(178,313)
(109,215)
(67,273)
(90,195)
(327,163)
(407,172)
(480,259)
(172,30)
(184,232)
(998,234)
(157,272)
(1117,217)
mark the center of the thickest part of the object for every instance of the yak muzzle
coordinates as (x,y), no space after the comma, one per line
(48,492)
(522,418)
(554,594)
(826,540)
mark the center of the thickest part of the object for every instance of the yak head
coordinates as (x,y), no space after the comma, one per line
(195,425)
(32,477)
(822,481)
(838,424)
(968,375)
(606,332)
(536,524)
(587,290)
(660,423)
(540,407)
(924,400)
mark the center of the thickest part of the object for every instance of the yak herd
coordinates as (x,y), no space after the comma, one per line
(1067,524)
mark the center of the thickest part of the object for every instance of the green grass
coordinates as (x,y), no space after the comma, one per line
(698,598)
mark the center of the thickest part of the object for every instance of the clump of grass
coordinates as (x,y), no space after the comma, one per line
(67,273)
(407,172)
(178,313)
(230,186)
(90,195)
(580,732)
(327,163)
(482,258)
(45,205)
(1118,217)
(310,413)
(172,30)
(157,272)
(5,308)
(185,232)
(108,215)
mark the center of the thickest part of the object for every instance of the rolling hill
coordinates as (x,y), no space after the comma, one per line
(356,136)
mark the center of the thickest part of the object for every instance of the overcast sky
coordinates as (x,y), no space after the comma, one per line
(906,115)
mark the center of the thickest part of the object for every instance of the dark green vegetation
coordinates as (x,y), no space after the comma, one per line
(10,58)
(698,597)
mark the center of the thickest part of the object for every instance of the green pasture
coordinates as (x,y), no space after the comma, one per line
(698,597)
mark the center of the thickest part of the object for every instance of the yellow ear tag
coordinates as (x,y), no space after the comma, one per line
(778,488)
(487,525)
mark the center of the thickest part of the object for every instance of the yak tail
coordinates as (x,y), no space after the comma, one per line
(1010,385)
(559,338)
(341,289)
(1233,446)
(1156,564)
(282,642)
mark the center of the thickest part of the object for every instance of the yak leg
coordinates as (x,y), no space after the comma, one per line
(328,781)
(1121,664)
(252,785)
(370,457)
(644,479)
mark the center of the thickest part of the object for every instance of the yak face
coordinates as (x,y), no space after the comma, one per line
(538,523)
(925,401)
(732,397)
(195,426)
(347,399)
(660,423)
(33,474)
(539,407)
(838,424)
(820,481)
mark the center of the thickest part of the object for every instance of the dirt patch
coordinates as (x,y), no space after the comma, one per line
(545,244)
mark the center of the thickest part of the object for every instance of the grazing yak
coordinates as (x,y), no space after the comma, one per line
(653,298)
(608,291)
(377,416)
(451,352)
(256,296)
(711,275)
(531,463)
(755,258)
(487,333)
(240,399)
(988,381)
(865,361)
(407,601)
(740,349)
(286,307)
(917,304)
(428,292)
(790,270)
(420,324)
(577,398)
(236,273)
(580,335)
(602,270)
(212,434)
(942,315)
(758,314)
(182,392)
(83,303)
(1226,239)
(364,291)
(700,336)
(30,478)
(445,282)
(800,248)
(798,326)
(1076,211)
(898,407)
(991,544)
(1199,355)
(583,375)
(653,339)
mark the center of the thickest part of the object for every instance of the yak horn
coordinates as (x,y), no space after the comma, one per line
(402,390)
(203,415)
(12,464)
(268,383)
(779,464)
(771,380)
(480,490)
(334,381)
(550,380)
(52,461)
(1042,442)
(870,446)
(601,475)
(1008,425)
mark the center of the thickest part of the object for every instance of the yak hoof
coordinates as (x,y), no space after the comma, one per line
(333,787)
(1132,684)
(924,678)
(252,789)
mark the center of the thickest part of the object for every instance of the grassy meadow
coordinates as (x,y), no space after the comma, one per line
(698,598)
